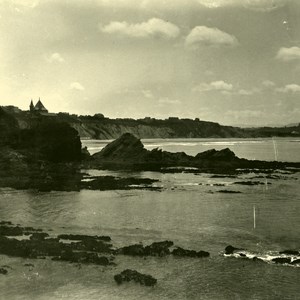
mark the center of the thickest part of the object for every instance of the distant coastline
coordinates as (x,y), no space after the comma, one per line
(100,127)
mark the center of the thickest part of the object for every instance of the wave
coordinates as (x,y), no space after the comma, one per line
(270,257)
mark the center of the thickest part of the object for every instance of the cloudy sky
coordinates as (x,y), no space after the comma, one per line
(230,61)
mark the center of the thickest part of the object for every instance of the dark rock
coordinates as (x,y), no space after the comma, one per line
(127,147)
(222,155)
(250,183)
(11,231)
(133,250)
(290,252)
(159,248)
(81,237)
(223,176)
(6,223)
(132,275)
(39,236)
(255,258)
(85,154)
(295,262)
(282,260)
(29,265)
(3,271)
(189,253)
(243,255)
(127,152)
(229,192)
(155,249)
(230,249)
(83,257)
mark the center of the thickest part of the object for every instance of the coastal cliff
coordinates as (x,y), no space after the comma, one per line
(100,127)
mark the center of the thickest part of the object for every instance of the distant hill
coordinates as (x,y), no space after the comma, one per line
(100,127)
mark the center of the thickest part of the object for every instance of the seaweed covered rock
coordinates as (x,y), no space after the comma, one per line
(230,249)
(82,257)
(3,271)
(132,275)
(159,248)
(189,253)
(282,260)
(155,249)
(290,252)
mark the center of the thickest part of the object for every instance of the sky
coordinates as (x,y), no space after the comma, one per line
(236,62)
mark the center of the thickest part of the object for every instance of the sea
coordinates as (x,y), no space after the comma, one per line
(189,210)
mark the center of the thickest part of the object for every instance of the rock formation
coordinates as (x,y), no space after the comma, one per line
(127,152)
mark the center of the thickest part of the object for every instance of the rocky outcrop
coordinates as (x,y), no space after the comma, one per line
(127,152)
(132,275)
(155,249)
(230,249)
(189,253)
(3,271)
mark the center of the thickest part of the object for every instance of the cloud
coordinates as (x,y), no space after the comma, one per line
(147,94)
(288,54)
(245,92)
(76,86)
(268,83)
(55,57)
(202,35)
(289,88)
(259,5)
(166,100)
(153,27)
(214,86)
(26,3)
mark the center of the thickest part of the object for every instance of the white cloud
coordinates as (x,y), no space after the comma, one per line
(289,88)
(26,3)
(202,35)
(147,94)
(76,86)
(245,92)
(268,83)
(166,100)
(288,54)
(55,57)
(214,86)
(153,27)
(259,5)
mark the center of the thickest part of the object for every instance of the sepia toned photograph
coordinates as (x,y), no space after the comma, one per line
(149,149)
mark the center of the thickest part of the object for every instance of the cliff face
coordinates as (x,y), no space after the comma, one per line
(98,127)
(111,129)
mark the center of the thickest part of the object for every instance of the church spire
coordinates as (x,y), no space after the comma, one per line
(31,106)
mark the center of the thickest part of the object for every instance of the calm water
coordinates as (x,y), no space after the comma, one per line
(188,211)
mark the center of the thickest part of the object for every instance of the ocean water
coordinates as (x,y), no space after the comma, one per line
(189,211)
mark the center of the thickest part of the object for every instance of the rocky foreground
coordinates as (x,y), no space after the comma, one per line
(32,243)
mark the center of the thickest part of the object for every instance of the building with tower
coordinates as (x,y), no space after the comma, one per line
(38,108)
